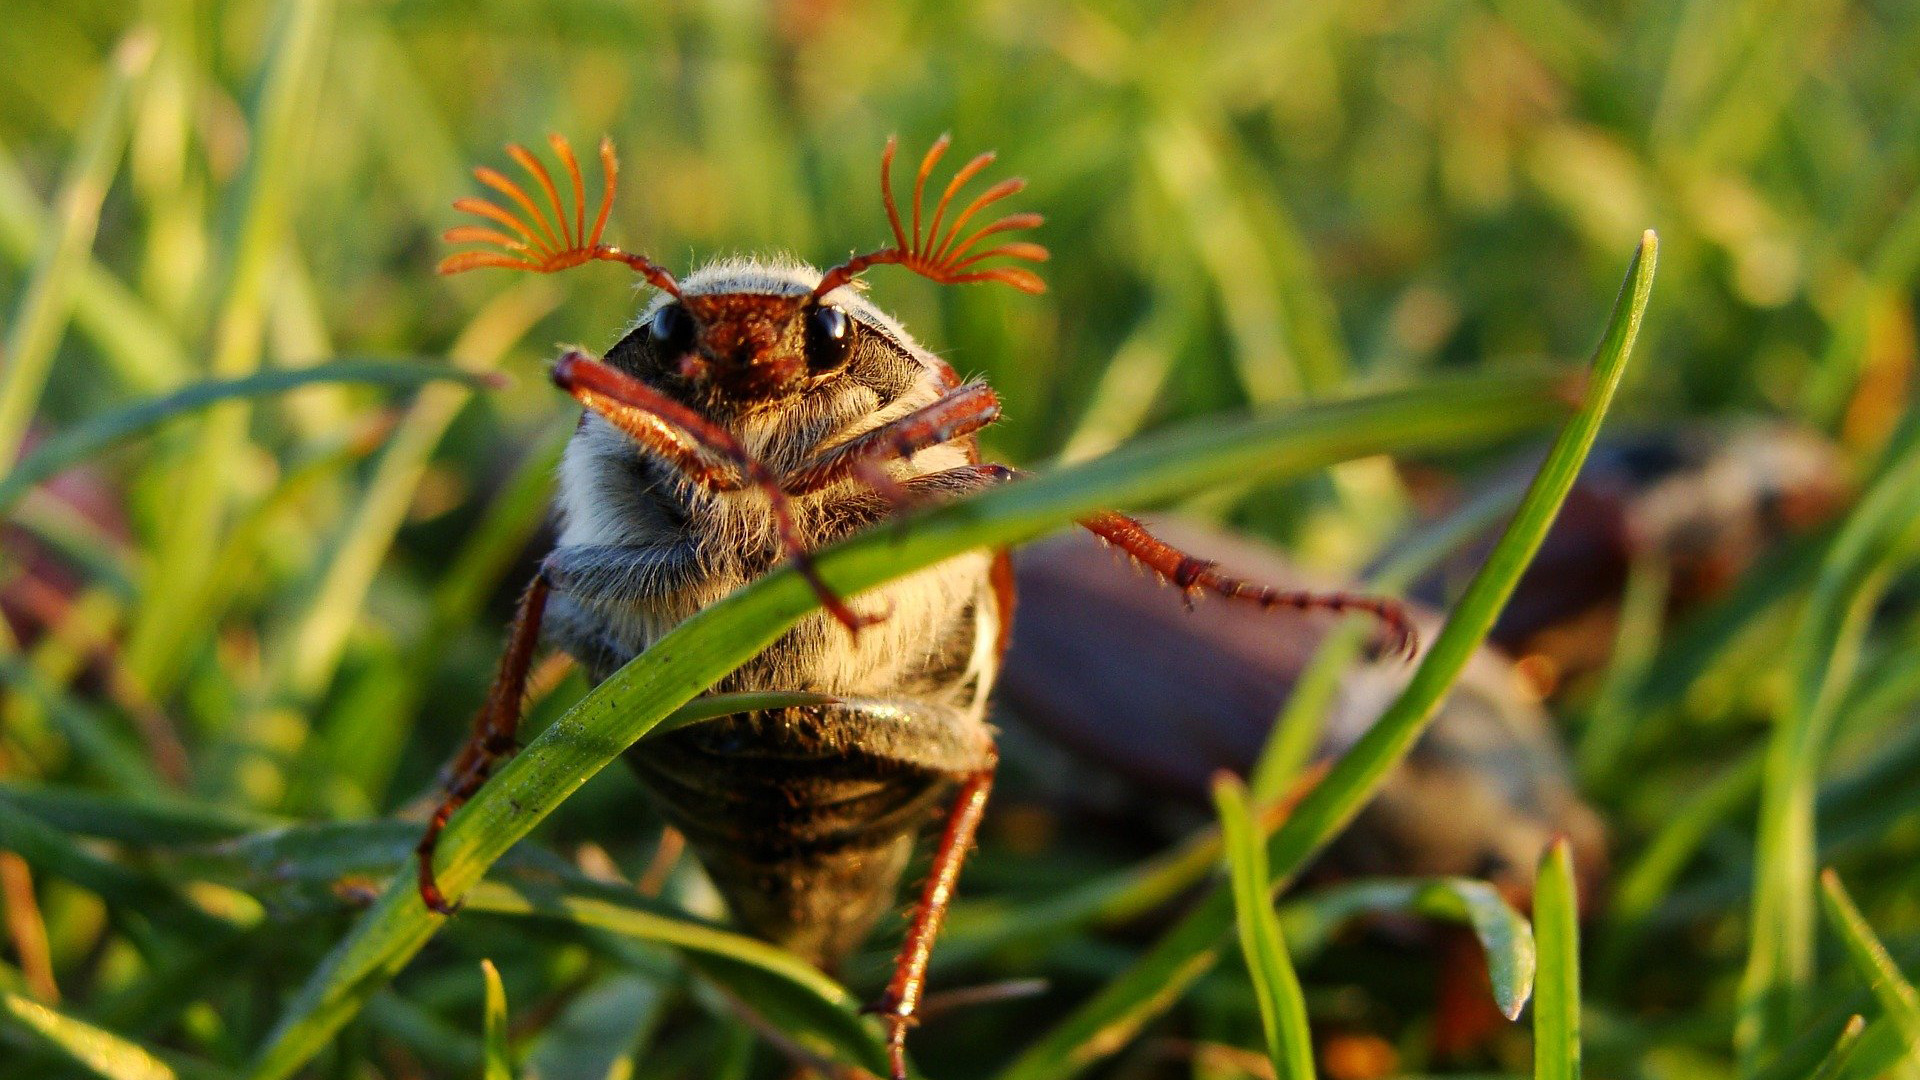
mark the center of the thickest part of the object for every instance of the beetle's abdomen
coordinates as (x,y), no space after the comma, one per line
(805,818)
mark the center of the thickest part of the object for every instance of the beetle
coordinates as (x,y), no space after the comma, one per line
(755,410)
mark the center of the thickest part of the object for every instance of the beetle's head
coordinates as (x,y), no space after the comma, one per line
(747,347)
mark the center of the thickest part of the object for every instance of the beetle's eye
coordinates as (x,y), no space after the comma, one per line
(671,330)
(829,337)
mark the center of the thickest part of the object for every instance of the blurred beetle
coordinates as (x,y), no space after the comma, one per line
(1165,701)
(1709,500)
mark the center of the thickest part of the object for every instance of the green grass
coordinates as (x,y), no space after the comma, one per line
(1289,241)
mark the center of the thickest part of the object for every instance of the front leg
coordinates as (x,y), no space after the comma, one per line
(956,414)
(702,451)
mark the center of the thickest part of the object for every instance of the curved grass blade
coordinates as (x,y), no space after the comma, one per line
(1276,986)
(1556,1004)
(721,637)
(1109,1021)
(495,1062)
(95,434)
(1895,994)
(1503,932)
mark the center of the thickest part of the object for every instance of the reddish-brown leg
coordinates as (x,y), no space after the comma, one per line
(1193,576)
(494,728)
(901,999)
(705,453)
(956,414)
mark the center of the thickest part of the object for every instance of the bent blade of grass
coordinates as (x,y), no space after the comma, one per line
(1896,995)
(90,437)
(496,1064)
(1820,662)
(1556,1004)
(721,637)
(1108,1022)
(1276,986)
(41,318)
(1503,932)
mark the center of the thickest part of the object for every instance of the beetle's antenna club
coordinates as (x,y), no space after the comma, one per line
(944,256)
(537,240)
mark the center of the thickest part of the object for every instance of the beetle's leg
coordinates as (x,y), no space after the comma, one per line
(901,999)
(955,414)
(704,451)
(494,728)
(1193,575)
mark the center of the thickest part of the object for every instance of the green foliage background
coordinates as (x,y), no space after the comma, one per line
(1248,205)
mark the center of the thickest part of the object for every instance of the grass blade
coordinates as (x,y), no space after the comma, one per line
(1895,994)
(83,440)
(1503,932)
(97,1050)
(1837,1059)
(1556,1003)
(171,615)
(1107,1022)
(1283,1009)
(41,318)
(310,648)
(143,351)
(721,637)
(496,1064)
(1820,663)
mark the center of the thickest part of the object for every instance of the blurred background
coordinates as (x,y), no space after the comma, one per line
(284,609)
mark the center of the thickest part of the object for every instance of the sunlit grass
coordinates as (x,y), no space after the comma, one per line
(1376,232)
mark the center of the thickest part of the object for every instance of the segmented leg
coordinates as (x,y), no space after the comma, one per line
(705,452)
(494,728)
(956,414)
(901,999)
(1193,576)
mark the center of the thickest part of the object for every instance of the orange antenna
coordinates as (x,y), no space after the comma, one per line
(537,240)
(944,256)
